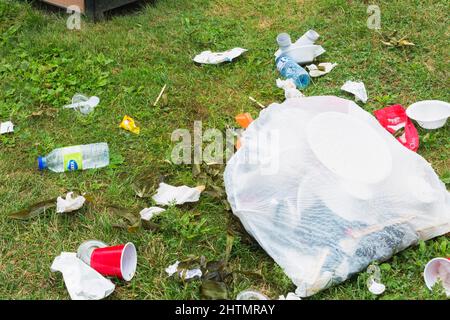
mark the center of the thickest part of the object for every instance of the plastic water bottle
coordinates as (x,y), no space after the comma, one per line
(287,66)
(74,158)
(289,69)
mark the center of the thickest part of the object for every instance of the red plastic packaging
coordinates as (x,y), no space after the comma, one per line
(393,119)
(118,261)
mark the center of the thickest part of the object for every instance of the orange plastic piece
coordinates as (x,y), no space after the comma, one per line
(244,119)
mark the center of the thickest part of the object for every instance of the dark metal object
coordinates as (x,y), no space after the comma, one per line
(95,9)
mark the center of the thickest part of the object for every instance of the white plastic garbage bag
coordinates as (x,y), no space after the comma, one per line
(293,186)
(82,282)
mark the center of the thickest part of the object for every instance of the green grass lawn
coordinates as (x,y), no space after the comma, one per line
(125,60)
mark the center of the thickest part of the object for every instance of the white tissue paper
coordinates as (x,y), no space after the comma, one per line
(290,296)
(186,274)
(208,57)
(149,213)
(314,70)
(6,127)
(290,89)
(167,194)
(356,88)
(82,282)
(69,204)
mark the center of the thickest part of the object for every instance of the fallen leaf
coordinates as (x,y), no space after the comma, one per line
(35,210)
(214,290)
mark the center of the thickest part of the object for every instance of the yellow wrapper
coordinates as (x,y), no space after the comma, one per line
(129,124)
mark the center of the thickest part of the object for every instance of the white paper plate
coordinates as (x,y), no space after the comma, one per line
(349,147)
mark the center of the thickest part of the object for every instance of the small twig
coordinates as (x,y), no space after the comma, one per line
(258,103)
(160,95)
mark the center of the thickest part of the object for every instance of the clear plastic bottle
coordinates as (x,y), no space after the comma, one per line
(74,158)
(289,69)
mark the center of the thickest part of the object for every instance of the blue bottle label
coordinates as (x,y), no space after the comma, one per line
(281,63)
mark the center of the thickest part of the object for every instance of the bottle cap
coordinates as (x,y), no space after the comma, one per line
(42,162)
(284,40)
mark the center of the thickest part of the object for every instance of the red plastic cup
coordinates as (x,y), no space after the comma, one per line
(118,261)
(432,270)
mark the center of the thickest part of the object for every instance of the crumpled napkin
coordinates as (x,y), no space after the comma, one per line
(208,57)
(69,204)
(289,296)
(82,282)
(186,274)
(356,88)
(149,213)
(167,194)
(315,71)
(290,89)
(6,127)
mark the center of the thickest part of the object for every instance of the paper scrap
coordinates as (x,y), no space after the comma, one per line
(185,274)
(208,57)
(356,88)
(6,127)
(82,282)
(290,89)
(167,194)
(290,296)
(321,69)
(69,204)
(149,213)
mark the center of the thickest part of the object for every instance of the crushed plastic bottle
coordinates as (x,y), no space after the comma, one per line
(90,156)
(83,104)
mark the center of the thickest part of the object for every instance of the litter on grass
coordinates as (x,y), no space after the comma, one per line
(290,89)
(395,120)
(244,119)
(129,125)
(83,104)
(160,95)
(208,57)
(257,102)
(167,194)
(82,281)
(334,194)
(321,69)
(148,213)
(357,89)
(374,281)
(303,50)
(6,127)
(290,296)
(69,204)
(251,295)
(429,114)
(438,270)
(185,274)
(84,251)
